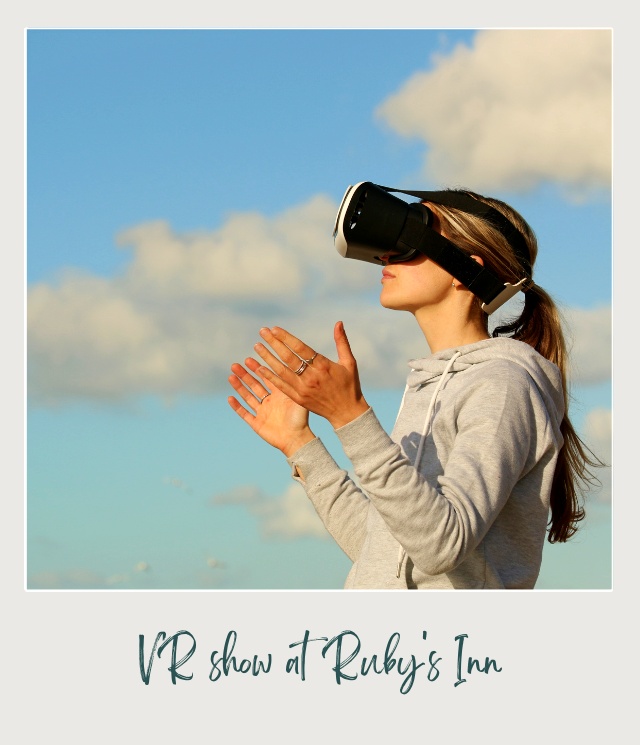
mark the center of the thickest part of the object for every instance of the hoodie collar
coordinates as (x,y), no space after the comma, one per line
(545,374)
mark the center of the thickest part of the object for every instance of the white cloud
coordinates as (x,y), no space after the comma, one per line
(598,436)
(589,341)
(242,260)
(250,258)
(517,108)
(290,515)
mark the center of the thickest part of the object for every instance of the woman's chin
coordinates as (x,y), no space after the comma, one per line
(385,303)
(388,301)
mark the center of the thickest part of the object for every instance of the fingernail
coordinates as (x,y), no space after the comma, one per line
(264,330)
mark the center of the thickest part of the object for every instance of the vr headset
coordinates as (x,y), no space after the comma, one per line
(372,223)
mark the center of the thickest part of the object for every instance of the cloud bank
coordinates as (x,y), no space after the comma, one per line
(517,108)
(180,313)
(186,306)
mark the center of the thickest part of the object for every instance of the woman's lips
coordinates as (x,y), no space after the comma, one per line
(386,274)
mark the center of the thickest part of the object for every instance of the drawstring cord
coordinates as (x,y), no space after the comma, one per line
(425,431)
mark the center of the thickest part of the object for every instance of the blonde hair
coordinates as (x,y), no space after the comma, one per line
(539,325)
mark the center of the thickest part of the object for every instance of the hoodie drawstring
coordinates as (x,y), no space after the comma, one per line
(425,431)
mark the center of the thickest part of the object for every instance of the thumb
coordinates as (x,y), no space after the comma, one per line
(345,355)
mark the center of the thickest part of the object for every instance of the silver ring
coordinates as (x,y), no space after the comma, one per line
(309,362)
(303,366)
(260,400)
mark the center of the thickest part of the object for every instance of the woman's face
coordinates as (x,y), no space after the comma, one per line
(411,285)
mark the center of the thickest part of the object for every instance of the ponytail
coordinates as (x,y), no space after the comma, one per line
(540,326)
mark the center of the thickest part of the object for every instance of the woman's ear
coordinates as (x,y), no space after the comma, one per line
(479,259)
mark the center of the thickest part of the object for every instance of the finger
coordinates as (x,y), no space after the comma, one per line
(241,411)
(247,386)
(255,367)
(284,343)
(345,355)
(279,366)
(246,395)
(255,386)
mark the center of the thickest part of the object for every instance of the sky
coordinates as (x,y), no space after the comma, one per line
(181,192)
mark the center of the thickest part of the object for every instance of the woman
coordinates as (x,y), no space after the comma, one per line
(482,451)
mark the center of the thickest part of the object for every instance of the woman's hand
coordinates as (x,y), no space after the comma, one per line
(277,419)
(329,389)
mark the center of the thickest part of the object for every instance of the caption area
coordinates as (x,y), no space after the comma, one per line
(343,656)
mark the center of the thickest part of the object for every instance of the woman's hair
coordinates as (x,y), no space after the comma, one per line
(540,326)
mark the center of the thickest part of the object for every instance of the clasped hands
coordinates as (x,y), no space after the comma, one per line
(293,381)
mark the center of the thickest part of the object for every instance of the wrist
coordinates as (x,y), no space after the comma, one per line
(348,415)
(293,445)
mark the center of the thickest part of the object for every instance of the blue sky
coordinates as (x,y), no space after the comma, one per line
(181,191)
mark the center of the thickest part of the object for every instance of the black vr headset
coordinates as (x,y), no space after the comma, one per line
(372,223)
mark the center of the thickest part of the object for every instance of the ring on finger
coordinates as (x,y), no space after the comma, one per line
(303,366)
(260,400)
(310,361)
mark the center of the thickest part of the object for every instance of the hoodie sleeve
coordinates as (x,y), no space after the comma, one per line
(341,505)
(438,524)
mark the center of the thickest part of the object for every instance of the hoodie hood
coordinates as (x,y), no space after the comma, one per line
(544,374)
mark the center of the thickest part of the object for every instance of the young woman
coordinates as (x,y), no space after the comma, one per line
(482,459)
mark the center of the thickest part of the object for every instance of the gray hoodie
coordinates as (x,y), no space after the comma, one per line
(458,496)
